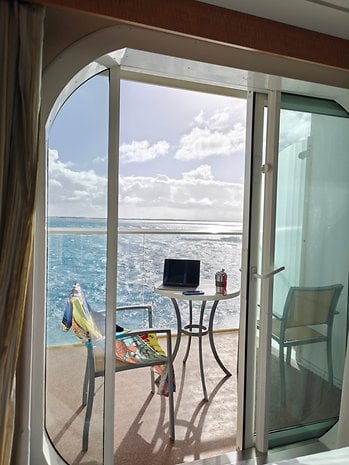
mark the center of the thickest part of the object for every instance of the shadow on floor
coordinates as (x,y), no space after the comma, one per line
(204,429)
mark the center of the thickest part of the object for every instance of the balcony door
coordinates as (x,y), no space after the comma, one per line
(146,172)
(297,212)
(296,225)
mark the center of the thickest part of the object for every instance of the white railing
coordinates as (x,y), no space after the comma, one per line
(82,231)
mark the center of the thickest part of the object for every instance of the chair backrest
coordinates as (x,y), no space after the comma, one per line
(136,347)
(79,316)
(306,306)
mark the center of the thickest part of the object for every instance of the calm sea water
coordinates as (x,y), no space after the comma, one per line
(77,253)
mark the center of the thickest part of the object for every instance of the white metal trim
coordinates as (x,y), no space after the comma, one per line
(42,452)
(252,205)
(243,437)
(183,84)
(38,304)
(111,272)
(268,245)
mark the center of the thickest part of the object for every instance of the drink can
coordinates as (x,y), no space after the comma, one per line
(221,282)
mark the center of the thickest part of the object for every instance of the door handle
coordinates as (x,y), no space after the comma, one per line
(256,275)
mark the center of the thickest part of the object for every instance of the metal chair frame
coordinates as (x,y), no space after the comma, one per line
(311,335)
(91,373)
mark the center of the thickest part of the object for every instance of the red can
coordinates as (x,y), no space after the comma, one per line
(221,282)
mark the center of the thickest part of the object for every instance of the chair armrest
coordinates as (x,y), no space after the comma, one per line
(142,331)
(166,331)
(133,307)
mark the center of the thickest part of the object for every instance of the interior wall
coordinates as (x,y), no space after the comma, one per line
(64,28)
(221,25)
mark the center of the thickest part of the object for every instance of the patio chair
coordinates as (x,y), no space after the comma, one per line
(305,309)
(133,349)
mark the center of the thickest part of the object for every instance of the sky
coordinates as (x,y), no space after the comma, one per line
(181,154)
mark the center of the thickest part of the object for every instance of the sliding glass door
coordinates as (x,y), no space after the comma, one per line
(298,265)
(311,230)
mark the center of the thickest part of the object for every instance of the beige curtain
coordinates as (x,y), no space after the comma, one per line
(21,37)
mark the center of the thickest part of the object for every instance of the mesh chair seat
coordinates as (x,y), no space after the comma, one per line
(296,334)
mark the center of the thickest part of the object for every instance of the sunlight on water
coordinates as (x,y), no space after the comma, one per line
(74,257)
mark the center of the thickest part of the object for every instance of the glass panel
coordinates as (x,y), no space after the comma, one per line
(181,188)
(141,255)
(312,105)
(311,242)
(76,206)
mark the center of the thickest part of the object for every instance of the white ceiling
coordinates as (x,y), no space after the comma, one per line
(326,16)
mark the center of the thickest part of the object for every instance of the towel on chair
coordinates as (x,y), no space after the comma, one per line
(129,348)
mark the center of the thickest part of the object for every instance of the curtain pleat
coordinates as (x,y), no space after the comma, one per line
(21,39)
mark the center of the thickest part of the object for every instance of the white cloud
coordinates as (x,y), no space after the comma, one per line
(99,161)
(55,183)
(187,198)
(128,200)
(220,121)
(204,202)
(219,133)
(196,196)
(202,172)
(199,119)
(222,118)
(202,143)
(142,151)
(74,193)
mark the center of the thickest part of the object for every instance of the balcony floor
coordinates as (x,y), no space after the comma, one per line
(203,428)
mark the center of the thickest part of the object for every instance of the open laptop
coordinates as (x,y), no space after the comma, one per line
(180,273)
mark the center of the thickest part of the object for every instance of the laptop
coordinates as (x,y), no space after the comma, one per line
(180,273)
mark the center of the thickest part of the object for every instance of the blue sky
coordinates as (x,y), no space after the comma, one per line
(181,153)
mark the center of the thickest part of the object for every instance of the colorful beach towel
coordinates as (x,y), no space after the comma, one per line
(79,316)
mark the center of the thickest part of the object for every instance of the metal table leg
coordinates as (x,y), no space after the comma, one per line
(202,331)
(210,335)
(202,373)
(189,336)
(179,328)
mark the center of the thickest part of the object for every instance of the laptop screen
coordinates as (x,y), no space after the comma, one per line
(181,273)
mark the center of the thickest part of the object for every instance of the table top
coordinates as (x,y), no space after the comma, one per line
(207,287)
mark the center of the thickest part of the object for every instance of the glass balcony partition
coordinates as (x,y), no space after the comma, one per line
(311,242)
(302,313)
(142,251)
(76,253)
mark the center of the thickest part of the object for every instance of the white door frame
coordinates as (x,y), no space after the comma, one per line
(259,209)
(76,63)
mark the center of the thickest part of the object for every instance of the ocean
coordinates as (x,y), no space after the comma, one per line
(77,253)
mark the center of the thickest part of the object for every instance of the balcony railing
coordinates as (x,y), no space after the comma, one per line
(78,254)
